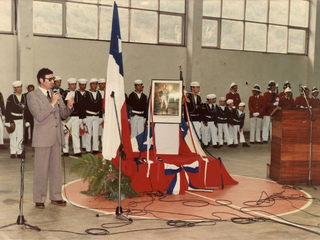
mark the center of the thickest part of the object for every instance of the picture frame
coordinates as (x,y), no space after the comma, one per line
(166,99)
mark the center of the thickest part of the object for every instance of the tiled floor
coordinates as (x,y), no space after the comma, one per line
(55,222)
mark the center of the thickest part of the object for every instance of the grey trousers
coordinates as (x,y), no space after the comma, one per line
(47,161)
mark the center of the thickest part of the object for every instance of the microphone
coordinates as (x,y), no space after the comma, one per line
(302,88)
(112,94)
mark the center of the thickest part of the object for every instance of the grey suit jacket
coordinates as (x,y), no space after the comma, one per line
(47,119)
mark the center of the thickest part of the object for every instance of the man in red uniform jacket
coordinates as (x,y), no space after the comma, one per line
(285,86)
(300,101)
(314,100)
(287,101)
(272,102)
(256,108)
(234,95)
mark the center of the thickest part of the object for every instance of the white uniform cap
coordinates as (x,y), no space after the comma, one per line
(287,90)
(315,89)
(195,84)
(57,78)
(71,80)
(17,83)
(138,81)
(242,104)
(233,84)
(102,80)
(92,80)
(229,101)
(211,96)
(82,81)
(222,99)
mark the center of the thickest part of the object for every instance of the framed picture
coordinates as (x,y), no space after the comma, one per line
(166,100)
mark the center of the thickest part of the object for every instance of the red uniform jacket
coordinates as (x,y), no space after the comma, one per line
(300,101)
(235,97)
(285,103)
(314,102)
(270,100)
(257,105)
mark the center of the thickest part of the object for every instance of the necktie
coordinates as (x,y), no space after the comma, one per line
(48,95)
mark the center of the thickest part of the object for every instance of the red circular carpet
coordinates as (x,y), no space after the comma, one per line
(252,197)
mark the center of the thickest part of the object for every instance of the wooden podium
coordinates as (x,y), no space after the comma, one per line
(290,146)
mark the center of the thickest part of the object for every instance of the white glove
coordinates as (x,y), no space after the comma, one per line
(301,106)
(27,124)
(100,120)
(3,118)
(256,114)
(84,121)
(7,124)
(276,104)
(277,99)
(277,85)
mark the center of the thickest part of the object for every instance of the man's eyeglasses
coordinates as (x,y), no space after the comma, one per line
(50,79)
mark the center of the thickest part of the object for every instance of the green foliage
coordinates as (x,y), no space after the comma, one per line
(102,176)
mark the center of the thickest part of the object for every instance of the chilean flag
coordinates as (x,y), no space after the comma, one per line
(115,83)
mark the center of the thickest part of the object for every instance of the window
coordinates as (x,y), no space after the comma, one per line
(275,26)
(6,15)
(153,21)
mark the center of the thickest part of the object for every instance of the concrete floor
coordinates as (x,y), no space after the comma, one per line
(55,221)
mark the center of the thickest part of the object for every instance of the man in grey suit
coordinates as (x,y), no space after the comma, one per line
(48,138)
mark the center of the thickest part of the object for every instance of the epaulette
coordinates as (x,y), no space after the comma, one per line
(188,100)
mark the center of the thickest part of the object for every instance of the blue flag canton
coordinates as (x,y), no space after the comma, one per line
(115,43)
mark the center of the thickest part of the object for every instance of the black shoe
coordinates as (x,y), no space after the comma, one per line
(40,205)
(95,152)
(204,146)
(77,154)
(12,156)
(216,146)
(3,147)
(235,145)
(59,202)
(259,142)
(66,154)
(232,145)
(83,149)
(265,141)
(245,144)
(252,142)
(20,156)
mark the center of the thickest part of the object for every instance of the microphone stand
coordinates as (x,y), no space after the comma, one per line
(122,154)
(312,119)
(21,220)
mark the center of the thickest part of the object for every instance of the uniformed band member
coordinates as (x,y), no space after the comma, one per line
(272,102)
(231,110)
(237,122)
(16,102)
(73,122)
(286,101)
(314,100)
(256,109)
(234,95)
(285,86)
(208,116)
(300,101)
(139,102)
(57,85)
(194,106)
(222,123)
(84,93)
(30,88)
(2,121)
(93,106)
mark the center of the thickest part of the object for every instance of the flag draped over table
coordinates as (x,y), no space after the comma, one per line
(115,83)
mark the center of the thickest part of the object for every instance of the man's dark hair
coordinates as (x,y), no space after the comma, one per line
(43,72)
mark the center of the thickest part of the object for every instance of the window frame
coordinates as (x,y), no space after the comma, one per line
(99,5)
(268,24)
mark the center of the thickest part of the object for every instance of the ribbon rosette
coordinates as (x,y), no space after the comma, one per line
(181,182)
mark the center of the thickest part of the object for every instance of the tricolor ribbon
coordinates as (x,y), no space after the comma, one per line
(181,182)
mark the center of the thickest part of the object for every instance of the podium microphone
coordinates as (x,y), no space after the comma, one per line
(302,88)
